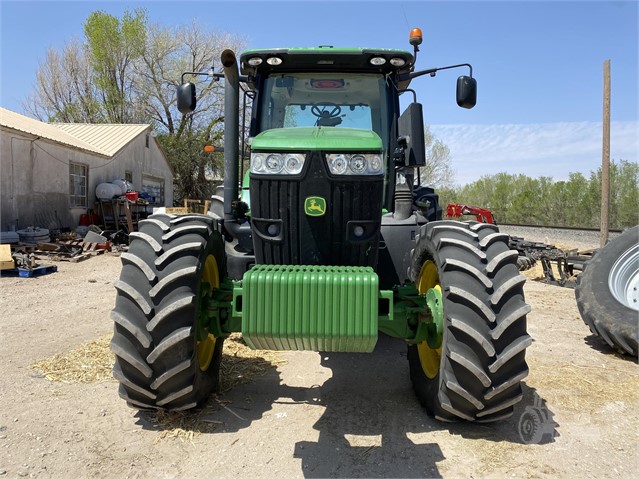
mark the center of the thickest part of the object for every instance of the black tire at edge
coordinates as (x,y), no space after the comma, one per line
(606,317)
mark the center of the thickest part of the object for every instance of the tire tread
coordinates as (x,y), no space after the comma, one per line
(483,355)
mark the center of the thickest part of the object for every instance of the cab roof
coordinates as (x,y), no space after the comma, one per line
(324,58)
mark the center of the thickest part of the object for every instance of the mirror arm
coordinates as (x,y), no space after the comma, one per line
(433,71)
(215,76)
(413,92)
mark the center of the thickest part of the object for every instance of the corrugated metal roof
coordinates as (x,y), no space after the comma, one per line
(104,140)
(108,138)
(34,127)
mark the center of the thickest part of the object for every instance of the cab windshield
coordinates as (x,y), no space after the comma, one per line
(332,100)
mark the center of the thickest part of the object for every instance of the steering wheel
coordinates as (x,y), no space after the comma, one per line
(325,115)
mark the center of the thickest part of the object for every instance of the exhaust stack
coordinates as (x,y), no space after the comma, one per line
(231,131)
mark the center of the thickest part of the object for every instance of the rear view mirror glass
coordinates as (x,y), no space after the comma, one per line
(186,100)
(466,92)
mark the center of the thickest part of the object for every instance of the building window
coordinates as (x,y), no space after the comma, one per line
(128,176)
(154,187)
(78,185)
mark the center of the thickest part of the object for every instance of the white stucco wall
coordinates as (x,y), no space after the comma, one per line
(34,177)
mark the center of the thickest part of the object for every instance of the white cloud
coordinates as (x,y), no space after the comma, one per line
(546,149)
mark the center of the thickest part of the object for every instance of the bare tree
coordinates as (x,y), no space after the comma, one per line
(64,90)
(167,54)
(438,171)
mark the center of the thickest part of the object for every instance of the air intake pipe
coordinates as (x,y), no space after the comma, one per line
(231,131)
(404,194)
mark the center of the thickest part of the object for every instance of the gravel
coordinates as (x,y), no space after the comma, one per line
(582,240)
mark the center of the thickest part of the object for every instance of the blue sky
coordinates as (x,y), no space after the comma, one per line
(538,65)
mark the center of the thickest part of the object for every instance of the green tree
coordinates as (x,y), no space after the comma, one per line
(195,171)
(575,202)
(542,201)
(624,194)
(524,205)
(447,196)
(113,46)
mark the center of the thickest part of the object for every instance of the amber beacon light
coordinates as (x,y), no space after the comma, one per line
(415,38)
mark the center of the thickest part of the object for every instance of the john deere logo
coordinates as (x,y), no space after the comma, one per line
(315,206)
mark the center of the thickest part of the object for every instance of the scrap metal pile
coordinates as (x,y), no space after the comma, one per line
(22,250)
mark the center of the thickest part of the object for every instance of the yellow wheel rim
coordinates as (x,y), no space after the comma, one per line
(210,281)
(429,358)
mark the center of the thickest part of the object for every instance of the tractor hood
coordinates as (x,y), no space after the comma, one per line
(317,138)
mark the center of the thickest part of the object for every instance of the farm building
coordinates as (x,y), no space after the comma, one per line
(49,171)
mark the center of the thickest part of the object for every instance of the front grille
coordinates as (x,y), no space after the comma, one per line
(319,240)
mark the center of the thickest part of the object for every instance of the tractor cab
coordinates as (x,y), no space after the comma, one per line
(323,130)
(325,87)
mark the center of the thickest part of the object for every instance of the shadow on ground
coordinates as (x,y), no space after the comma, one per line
(370,411)
(599,344)
(532,422)
(372,424)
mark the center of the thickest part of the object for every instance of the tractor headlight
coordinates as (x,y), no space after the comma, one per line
(277,163)
(355,164)
(337,164)
(293,164)
(274,163)
(358,164)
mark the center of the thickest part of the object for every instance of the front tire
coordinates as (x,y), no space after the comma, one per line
(476,373)
(166,358)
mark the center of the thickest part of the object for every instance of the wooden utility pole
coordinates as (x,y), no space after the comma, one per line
(605,159)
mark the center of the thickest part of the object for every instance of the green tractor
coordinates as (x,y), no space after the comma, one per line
(328,241)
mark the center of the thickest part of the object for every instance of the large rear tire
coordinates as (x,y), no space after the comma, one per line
(607,292)
(476,373)
(165,357)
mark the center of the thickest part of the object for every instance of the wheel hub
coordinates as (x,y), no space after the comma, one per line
(623,279)
(435,329)
(210,280)
(430,351)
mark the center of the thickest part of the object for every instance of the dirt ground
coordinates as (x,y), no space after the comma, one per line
(310,414)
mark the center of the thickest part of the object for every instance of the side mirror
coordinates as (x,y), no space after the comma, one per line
(410,128)
(466,92)
(186,100)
